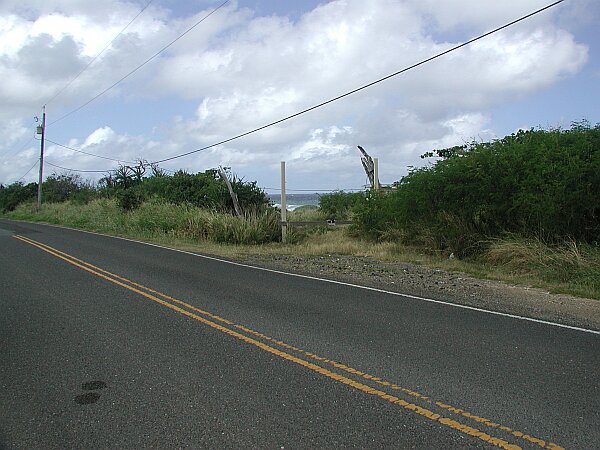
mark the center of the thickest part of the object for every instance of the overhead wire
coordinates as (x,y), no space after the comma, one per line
(406,69)
(10,154)
(141,65)
(75,170)
(142,163)
(98,55)
(30,169)
(90,154)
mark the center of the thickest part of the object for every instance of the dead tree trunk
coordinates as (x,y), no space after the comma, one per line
(236,205)
(369,167)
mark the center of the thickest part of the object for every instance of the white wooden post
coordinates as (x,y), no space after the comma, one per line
(283,205)
(376,174)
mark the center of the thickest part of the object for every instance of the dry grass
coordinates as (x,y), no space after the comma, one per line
(569,267)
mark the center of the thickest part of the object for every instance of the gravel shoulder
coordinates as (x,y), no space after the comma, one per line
(438,284)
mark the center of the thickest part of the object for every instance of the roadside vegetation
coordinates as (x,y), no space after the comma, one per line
(524,209)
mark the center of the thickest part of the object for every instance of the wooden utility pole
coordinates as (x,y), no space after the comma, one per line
(236,205)
(283,205)
(43,132)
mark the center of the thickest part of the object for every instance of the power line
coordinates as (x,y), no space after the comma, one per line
(102,51)
(141,65)
(406,69)
(34,164)
(90,154)
(103,171)
(11,154)
(76,170)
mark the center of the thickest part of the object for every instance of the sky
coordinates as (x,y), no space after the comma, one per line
(253,62)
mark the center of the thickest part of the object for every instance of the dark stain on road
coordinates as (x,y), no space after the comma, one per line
(93,385)
(87,398)
(90,397)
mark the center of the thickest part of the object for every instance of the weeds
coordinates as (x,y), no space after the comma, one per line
(569,266)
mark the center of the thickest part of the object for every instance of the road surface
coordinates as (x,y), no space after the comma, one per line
(109,343)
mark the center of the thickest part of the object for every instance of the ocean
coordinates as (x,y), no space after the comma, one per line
(294,201)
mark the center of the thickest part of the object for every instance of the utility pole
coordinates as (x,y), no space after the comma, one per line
(43,132)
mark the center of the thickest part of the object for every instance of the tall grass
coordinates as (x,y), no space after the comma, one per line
(569,266)
(157,218)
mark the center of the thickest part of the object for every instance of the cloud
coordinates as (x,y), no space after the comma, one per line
(99,136)
(272,67)
(244,71)
(45,60)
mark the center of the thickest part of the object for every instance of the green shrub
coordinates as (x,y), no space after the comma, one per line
(339,205)
(59,188)
(129,199)
(533,183)
(204,190)
(11,196)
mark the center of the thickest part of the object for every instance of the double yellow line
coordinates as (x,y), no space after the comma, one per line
(244,334)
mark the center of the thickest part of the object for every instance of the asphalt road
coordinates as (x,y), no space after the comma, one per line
(108,343)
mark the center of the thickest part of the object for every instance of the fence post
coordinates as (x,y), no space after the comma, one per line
(376,174)
(283,205)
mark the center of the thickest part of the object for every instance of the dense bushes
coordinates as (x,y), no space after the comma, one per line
(537,183)
(56,188)
(204,190)
(11,196)
(533,183)
(59,188)
(131,187)
(338,205)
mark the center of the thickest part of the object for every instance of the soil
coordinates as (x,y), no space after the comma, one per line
(438,284)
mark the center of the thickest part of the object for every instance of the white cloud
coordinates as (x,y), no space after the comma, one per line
(99,136)
(245,71)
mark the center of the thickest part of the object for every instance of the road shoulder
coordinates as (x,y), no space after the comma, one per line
(412,279)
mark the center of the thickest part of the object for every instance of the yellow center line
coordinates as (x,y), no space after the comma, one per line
(132,286)
(532,439)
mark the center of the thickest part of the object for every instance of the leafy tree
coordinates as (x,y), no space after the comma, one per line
(59,188)
(12,195)
(338,205)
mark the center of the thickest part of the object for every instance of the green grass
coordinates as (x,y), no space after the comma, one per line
(157,219)
(570,267)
